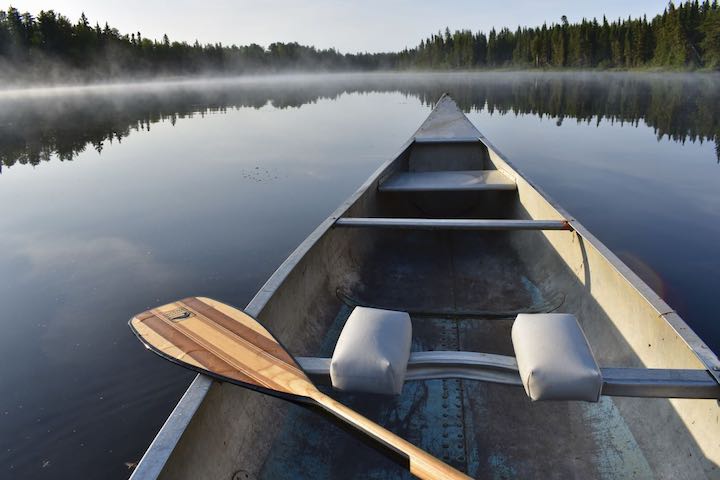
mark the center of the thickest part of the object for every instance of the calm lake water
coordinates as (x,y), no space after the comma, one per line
(119,199)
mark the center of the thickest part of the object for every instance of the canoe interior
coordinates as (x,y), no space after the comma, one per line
(489,431)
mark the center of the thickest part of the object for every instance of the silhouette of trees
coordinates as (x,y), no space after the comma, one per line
(683,36)
(40,45)
(710,34)
(51,47)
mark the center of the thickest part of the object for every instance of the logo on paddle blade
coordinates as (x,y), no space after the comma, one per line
(178,314)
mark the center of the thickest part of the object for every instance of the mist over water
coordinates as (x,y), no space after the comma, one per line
(39,122)
(121,197)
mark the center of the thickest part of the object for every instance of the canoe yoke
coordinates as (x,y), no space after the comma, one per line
(553,361)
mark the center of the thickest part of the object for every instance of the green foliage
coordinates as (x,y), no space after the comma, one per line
(50,42)
(683,36)
(710,44)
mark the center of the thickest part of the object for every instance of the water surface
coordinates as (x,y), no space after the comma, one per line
(117,199)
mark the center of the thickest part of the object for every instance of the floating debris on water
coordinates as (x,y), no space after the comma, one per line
(260,174)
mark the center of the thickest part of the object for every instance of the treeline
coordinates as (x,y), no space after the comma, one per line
(51,47)
(50,43)
(684,36)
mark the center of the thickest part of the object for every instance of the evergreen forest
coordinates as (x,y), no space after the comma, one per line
(49,45)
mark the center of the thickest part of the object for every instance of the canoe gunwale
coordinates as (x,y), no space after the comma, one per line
(158,452)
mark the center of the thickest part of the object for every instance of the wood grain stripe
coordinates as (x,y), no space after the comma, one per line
(144,315)
(240,330)
(197,352)
(233,313)
(233,353)
(160,343)
(245,349)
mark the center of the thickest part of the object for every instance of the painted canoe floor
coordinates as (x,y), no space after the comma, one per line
(444,267)
(449,419)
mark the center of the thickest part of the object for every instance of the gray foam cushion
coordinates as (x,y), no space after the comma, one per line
(554,358)
(372,352)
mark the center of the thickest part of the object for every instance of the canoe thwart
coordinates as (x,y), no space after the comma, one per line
(484,367)
(451,224)
(659,383)
(448,181)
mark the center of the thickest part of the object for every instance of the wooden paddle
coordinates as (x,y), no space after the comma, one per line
(225,343)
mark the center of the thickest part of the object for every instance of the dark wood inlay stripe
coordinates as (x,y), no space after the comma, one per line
(199,353)
(145,315)
(244,347)
(241,331)
(233,360)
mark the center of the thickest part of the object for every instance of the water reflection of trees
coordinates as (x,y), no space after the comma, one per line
(37,128)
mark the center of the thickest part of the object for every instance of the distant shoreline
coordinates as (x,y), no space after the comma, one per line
(48,48)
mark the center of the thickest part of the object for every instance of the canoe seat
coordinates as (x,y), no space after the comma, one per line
(554,358)
(447,181)
(372,352)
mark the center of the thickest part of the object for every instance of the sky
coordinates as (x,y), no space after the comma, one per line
(349,26)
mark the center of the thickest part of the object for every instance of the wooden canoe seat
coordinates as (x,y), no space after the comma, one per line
(448,181)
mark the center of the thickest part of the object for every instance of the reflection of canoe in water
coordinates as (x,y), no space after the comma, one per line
(450,232)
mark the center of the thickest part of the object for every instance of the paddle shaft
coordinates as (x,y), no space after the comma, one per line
(422,464)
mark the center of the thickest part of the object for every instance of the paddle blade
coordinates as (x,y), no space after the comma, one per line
(223,342)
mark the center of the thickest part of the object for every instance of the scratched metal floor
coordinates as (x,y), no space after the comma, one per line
(488,431)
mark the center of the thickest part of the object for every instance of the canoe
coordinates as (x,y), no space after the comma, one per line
(452,233)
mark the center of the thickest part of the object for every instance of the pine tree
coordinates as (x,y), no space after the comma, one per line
(492,48)
(710,44)
(481,50)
